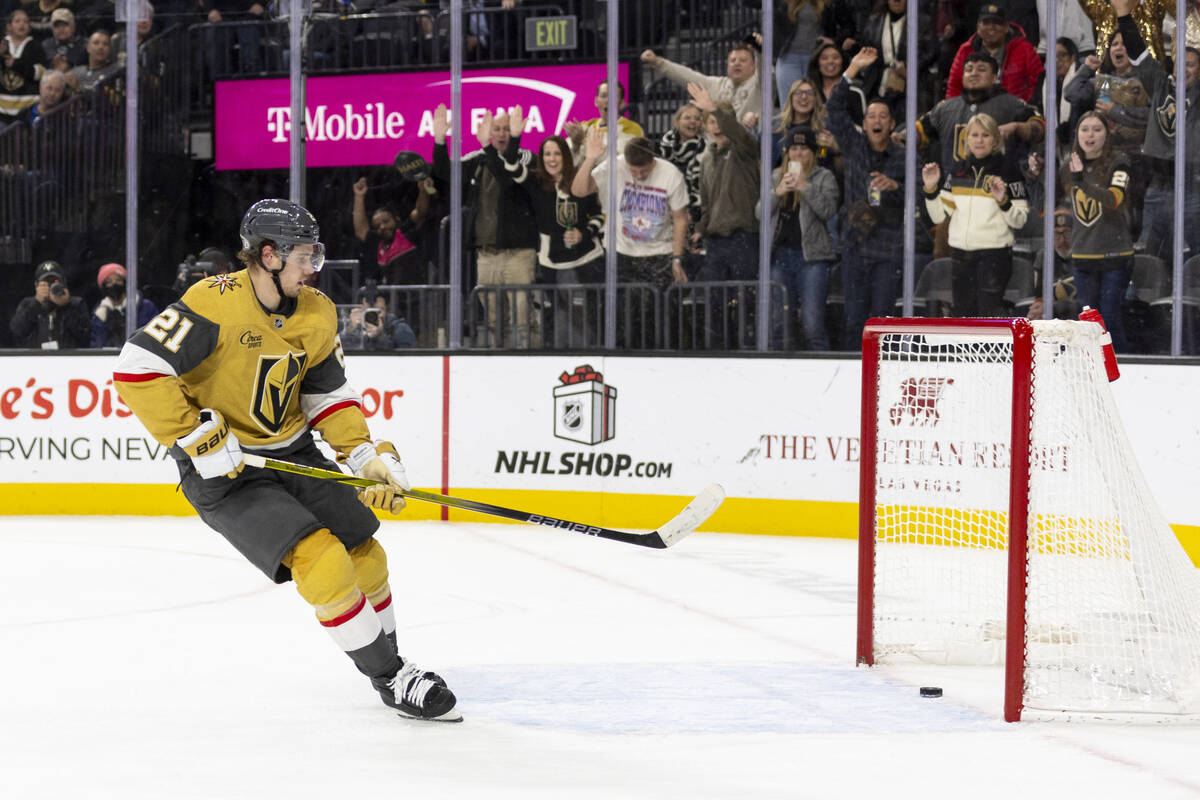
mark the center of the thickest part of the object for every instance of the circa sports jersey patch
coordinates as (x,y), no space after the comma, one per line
(275,382)
(223,282)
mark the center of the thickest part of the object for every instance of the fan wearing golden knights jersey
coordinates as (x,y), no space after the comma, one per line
(252,360)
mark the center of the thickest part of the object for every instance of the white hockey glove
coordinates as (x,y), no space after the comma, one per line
(379,462)
(214,450)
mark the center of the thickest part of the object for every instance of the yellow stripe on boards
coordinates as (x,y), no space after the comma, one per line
(1189,537)
(119,499)
(648,511)
(636,511)
(99,499)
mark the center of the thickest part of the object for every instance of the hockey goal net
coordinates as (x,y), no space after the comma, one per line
(1004,520)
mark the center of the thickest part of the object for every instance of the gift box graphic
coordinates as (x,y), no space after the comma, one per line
(585,408)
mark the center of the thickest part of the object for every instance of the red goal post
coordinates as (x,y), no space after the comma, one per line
(1003,519)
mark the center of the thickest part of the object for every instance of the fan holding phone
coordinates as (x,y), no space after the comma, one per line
(371,326)
(805,198)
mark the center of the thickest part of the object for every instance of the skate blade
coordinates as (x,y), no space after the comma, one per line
(450,716)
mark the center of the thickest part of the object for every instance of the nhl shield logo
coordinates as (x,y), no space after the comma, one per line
(572,415)
(585,407)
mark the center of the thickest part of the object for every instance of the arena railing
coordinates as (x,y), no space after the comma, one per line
(699,316)
(494,319)
(426,309)
(163,96)
(53,173)
(422,308)
(660,97)
(720,315)
(340,279)
(55,177)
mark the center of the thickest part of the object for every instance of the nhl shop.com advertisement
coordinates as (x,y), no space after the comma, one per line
(780,432)
(585,411)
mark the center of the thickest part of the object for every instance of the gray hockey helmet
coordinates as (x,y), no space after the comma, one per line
(284,224)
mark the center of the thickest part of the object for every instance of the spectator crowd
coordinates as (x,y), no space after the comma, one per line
(688,197)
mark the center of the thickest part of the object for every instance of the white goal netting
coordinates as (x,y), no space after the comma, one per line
(1113,602)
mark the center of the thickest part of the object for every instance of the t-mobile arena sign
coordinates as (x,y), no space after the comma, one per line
(357,120)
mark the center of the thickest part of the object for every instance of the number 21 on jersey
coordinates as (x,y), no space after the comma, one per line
(161,327)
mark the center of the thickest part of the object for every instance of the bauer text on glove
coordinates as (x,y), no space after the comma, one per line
(214,450)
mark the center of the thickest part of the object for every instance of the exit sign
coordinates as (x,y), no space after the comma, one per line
(550,33)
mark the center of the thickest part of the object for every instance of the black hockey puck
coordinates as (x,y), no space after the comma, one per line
(931,691)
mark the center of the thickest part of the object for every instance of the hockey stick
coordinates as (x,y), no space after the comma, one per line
(683,523)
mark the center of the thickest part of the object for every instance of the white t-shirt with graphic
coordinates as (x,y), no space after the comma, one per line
(644,210)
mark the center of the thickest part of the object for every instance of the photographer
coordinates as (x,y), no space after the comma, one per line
(52,318)
(370,326)
(211,261)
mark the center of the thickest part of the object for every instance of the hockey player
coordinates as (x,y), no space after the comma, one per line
(252,360)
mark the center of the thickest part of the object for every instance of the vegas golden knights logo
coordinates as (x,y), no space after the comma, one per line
(960,142)
(276,382)
(567,213)
(1166,115)
(1087,209)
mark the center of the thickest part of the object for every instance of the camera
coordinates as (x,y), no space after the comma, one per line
(211,261)
(57,289)
(371,316)
(189,272)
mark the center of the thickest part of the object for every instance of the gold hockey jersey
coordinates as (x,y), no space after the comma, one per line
(273,376)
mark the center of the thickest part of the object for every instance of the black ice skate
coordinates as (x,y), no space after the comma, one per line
(418,694)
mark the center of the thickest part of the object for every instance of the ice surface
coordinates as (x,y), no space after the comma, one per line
(143,658)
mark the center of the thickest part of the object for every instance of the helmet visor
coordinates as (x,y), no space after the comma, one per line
(309,256)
